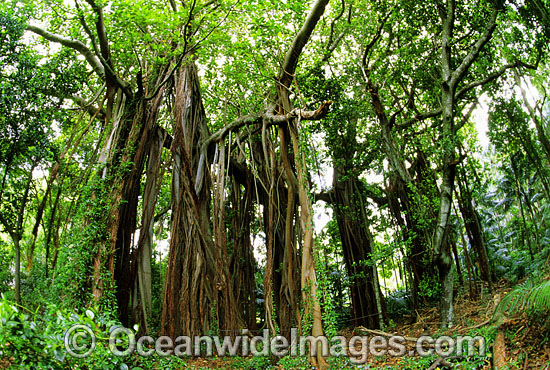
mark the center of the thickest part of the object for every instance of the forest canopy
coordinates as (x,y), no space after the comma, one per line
(203,167)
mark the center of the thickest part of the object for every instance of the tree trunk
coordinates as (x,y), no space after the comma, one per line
(310,297)
(357,247)
(473,228)
(142,307)
(198,295)
(189,291)
(17,249)
(441,248)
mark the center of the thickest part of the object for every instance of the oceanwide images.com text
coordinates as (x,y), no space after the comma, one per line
(80,341)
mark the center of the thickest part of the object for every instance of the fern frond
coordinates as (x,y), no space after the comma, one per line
(527,297)
(538,300)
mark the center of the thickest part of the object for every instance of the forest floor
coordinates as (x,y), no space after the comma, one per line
(525,345)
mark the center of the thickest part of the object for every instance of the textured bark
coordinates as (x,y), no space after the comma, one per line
(288,258)
(189,287)
(198,291)
(242,265)
(310,296)
(142,304)
(499,350)
(132,126)
(278,287)
(350,206)
(474,230)
(229,317)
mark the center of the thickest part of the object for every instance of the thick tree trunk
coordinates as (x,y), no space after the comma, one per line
(198,293)
(189,291)
(349,204)
(441,248)
(142,306)
(125,154)
(473,229)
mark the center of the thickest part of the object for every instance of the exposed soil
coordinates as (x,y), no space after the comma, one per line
(525,344)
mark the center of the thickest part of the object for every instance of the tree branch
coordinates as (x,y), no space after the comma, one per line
(418,118)
(328,196)
(330,39)
(100,112)
(101,32)
(459,73)
(73,44)
(291,58)
(467,116)
(270,119)
(491,77)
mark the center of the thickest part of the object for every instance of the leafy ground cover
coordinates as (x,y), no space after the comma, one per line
(34,340)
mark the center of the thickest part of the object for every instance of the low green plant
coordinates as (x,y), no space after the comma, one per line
(36,339)
(531,297)
(250,363)
(294,362)
(23,343)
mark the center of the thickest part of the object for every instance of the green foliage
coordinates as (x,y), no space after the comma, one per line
(294,362)
(531,297)
(430,287)
(398,304)
(35,340)
(250,363)
(24,343)
(6,258)
(328,309)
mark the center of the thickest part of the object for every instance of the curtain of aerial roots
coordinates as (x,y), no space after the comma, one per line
(104,258)
(416,221)
(266,157)
(310,296)
(142,299)
(229,316)
(131,125)
(281,280)
(357,246)
(125,273)
(242,264)
(197,293)
(286,256)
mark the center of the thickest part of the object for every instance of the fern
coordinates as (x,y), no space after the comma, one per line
(530,297)
(538,299)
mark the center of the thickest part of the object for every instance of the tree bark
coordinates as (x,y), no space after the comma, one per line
(189,288)
(142,307)
(310,296)
(357,246)
(473,228)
